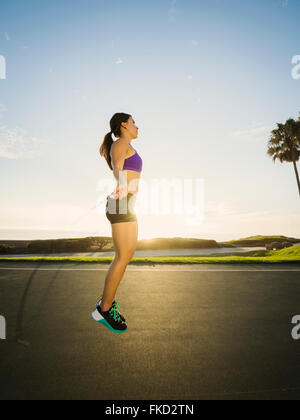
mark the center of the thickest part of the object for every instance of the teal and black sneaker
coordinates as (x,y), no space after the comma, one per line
(115,305)
(111,319)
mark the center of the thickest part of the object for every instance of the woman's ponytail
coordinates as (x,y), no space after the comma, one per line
(115,125)
(105,148)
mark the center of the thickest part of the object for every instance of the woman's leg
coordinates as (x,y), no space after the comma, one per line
(125,239)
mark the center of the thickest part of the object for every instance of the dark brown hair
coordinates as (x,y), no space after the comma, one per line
(115,126)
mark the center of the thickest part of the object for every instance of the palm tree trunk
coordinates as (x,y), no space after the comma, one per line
(297,175)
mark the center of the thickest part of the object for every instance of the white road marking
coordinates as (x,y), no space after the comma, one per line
(138,270)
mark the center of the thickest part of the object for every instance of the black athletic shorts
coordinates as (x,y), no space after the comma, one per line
(121,210)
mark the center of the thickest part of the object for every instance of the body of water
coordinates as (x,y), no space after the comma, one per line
(31,234)
(153,253)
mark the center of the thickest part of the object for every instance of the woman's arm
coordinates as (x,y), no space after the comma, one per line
(118,156)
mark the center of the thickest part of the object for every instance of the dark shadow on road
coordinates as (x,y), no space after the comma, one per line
(20,339)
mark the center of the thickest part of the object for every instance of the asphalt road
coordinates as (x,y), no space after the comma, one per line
(194,332)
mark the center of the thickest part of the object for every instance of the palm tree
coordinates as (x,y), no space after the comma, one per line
(284,144)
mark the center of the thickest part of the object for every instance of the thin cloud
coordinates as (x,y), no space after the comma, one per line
(225,209)
(16,144)
(119,61)
(285,3)
(221,211)
(256,132)
(7,37)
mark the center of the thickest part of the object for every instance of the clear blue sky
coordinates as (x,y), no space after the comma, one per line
(206,82)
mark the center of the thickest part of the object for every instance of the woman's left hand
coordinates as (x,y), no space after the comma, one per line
(120,192)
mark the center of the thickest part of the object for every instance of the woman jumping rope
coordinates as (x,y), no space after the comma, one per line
(126,165)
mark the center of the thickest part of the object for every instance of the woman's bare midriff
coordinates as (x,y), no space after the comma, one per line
(133,178)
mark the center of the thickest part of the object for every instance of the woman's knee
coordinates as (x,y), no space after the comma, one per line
(125,256)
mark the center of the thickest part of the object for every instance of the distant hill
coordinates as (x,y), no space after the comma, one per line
(102,244)
(261,240)
(54,246)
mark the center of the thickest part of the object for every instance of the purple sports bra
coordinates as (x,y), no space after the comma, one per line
(134,163)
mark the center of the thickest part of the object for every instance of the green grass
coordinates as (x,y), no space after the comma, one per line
(292,251)
(288,255)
